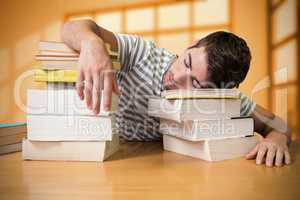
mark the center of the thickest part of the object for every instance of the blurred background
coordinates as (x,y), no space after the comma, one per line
(270,27)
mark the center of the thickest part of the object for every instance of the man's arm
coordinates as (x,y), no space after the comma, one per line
(273,149)
(94,65)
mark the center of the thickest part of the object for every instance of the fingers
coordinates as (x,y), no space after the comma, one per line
(252,154)
(116,88)
(279,158)
(92,87)
(270,156)
(108,89)
(261,154)
(287,157)
(80,85)
(88,86)
(96,93)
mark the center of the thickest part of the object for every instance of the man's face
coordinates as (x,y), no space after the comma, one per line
(188,71)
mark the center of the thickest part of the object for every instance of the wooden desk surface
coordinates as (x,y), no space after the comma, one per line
(145,171)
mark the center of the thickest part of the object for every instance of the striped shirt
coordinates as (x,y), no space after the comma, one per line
(141,76)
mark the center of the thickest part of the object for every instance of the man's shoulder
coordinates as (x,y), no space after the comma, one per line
(140,42)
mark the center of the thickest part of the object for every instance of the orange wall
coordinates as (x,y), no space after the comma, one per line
(250,22)
(24,23)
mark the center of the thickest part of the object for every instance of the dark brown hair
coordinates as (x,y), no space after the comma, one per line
(228,58)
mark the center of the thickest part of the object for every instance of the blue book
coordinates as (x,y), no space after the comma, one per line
(5,125)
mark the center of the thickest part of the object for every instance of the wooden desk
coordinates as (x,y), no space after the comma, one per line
(145,171)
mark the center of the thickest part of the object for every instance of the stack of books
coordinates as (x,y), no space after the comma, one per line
(11,136)
(59,62)
(59,124)
(204,124)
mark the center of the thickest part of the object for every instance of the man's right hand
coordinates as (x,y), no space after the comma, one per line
(95,74)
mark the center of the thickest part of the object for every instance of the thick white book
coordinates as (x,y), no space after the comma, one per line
(70,151)
(68,128)
(63,100)
(190,109)
(211,150)
(200,93)
(197,130)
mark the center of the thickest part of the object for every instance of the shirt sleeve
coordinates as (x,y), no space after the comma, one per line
(247,105)
(131,49)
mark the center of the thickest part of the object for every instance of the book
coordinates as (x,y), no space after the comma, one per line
(49,127)
(200,93)
(60,86)
(61,57)
(70,151)
(11,139)
(60,101)
(12,128)
(67,64)
(10,148)
(197,130)
(55,75)
(69,76)
(211,150)
(56,58)
(190,109)
(55,53)
(55,46)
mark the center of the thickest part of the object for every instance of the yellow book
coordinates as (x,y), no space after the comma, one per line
(69,76)
(58,73)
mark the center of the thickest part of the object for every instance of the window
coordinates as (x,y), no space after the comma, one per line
(283,60)
(160,21)
(110,21)
(140,20)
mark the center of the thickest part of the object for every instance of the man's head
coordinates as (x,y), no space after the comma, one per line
(219,60)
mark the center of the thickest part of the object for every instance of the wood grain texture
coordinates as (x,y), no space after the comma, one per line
(145,171)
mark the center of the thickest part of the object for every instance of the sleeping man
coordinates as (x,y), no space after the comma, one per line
(219,60)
